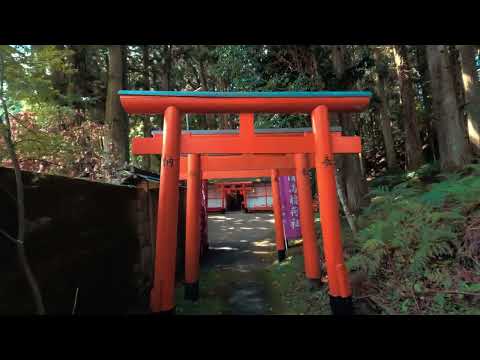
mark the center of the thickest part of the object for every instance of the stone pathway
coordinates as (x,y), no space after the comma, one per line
(241,246)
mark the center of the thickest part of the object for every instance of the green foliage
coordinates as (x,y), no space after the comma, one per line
(454,188)
(28,72)
(48,136)
(49,142)
(411,236)
(290,292)
(238,66)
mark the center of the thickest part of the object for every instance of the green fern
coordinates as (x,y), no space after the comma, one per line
(408,227)
(433,243)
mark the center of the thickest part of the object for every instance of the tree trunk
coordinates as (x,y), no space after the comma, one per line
(471,86)
(456,71)
(450,127)
(146,67)
(20,242)
(85,82)
(384,113)
(413,145)
(116,118)
(223,119)
(422,66)
(59,80)
(147,126)
(6,133)
(166,68)
(350,217)
(349,169)
(124,66)
(209,121)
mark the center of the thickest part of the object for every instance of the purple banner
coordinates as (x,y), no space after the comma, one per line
(290,210)
(204,217)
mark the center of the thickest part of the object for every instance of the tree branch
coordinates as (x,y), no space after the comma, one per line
(451,292)
(7,135)
(75,302)
(350,217)
(9,237)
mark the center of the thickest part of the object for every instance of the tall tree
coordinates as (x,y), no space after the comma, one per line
(350,172)
(203,58)
(472,94)
(147,126)
(413,145)
(115,116)
(451,132)
(13,77)
(455,67)
(84,88)
(385,118)
(424,80)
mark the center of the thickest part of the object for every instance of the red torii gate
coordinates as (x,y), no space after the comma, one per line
(230,187)
(320,143)
(244,166)
(271,166)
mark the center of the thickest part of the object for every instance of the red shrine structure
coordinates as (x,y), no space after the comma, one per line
(247,153)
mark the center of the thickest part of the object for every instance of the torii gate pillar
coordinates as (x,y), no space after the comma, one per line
(339,286)
(163,293)
(310,248)
(192,236)
(277,213)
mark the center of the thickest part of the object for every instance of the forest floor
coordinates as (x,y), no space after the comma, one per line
(417,252)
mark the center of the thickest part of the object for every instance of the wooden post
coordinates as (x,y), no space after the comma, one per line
(163,292)
(223,198)
(339,286)
(310,249)
(277,212)
(192,240)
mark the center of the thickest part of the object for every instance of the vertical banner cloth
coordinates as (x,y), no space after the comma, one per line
(204,217)
(290,210)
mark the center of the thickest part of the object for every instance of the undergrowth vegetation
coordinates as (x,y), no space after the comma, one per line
(418,244)
(290,292)
(417,250)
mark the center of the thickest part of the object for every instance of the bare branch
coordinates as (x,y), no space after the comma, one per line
(9,237)
(7,135)
(451,292)
(350,217)
(75,302)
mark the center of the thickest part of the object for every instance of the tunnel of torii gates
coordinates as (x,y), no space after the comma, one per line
(246,153)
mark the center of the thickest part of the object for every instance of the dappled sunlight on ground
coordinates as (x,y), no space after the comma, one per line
(263,243)
(241,247)
(224,248)
(236,274)
(244,230)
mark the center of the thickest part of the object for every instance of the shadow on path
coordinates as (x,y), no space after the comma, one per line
(232,273)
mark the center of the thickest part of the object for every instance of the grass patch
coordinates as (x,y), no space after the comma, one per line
(290,291)
(212,298)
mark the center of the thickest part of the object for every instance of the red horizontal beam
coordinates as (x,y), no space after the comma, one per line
(258,144)
(235,183)
(240,174)
(245,162)
(145,104)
